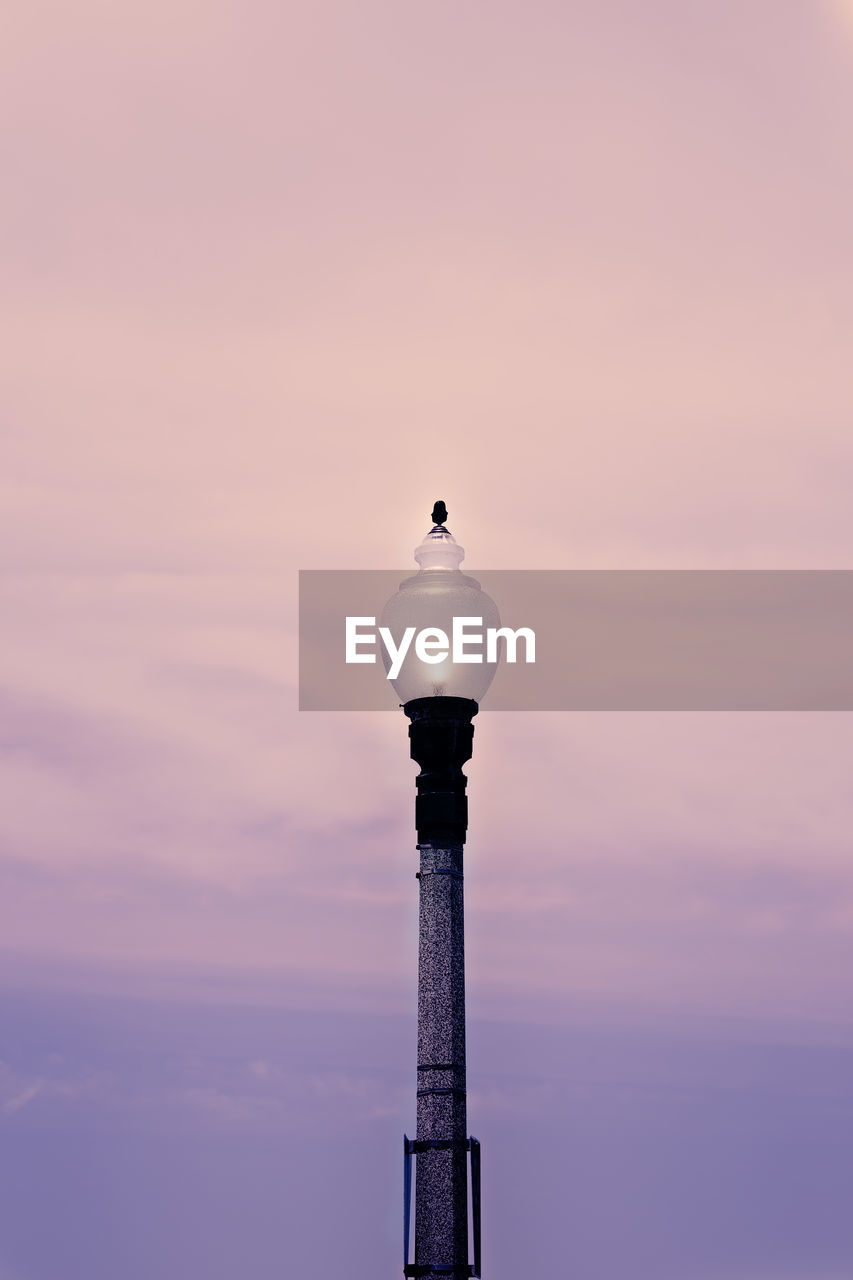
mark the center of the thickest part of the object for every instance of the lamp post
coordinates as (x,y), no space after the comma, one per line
(440,697)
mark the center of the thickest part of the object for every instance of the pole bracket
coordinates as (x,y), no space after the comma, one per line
(412,1148)
(433,1269)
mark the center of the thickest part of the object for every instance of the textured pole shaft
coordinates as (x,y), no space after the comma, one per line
(441,1204)
(441,736)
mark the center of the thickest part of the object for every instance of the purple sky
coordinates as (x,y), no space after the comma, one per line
(274,279)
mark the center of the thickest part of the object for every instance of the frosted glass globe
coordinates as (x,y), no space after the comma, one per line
(432,598)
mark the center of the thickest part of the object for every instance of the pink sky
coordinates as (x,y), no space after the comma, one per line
(274,282)
(275,278)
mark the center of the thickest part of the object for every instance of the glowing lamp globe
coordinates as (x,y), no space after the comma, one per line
(429,601)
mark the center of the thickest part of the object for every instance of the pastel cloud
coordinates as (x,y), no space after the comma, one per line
(275,285)
(275,279)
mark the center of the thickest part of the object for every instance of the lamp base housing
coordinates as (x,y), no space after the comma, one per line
(442,739)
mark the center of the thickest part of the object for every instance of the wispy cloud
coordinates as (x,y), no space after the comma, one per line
(19,1100)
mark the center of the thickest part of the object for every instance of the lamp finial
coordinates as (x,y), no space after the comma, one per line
(439,513)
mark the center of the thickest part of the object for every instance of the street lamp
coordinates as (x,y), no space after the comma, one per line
(440,697)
